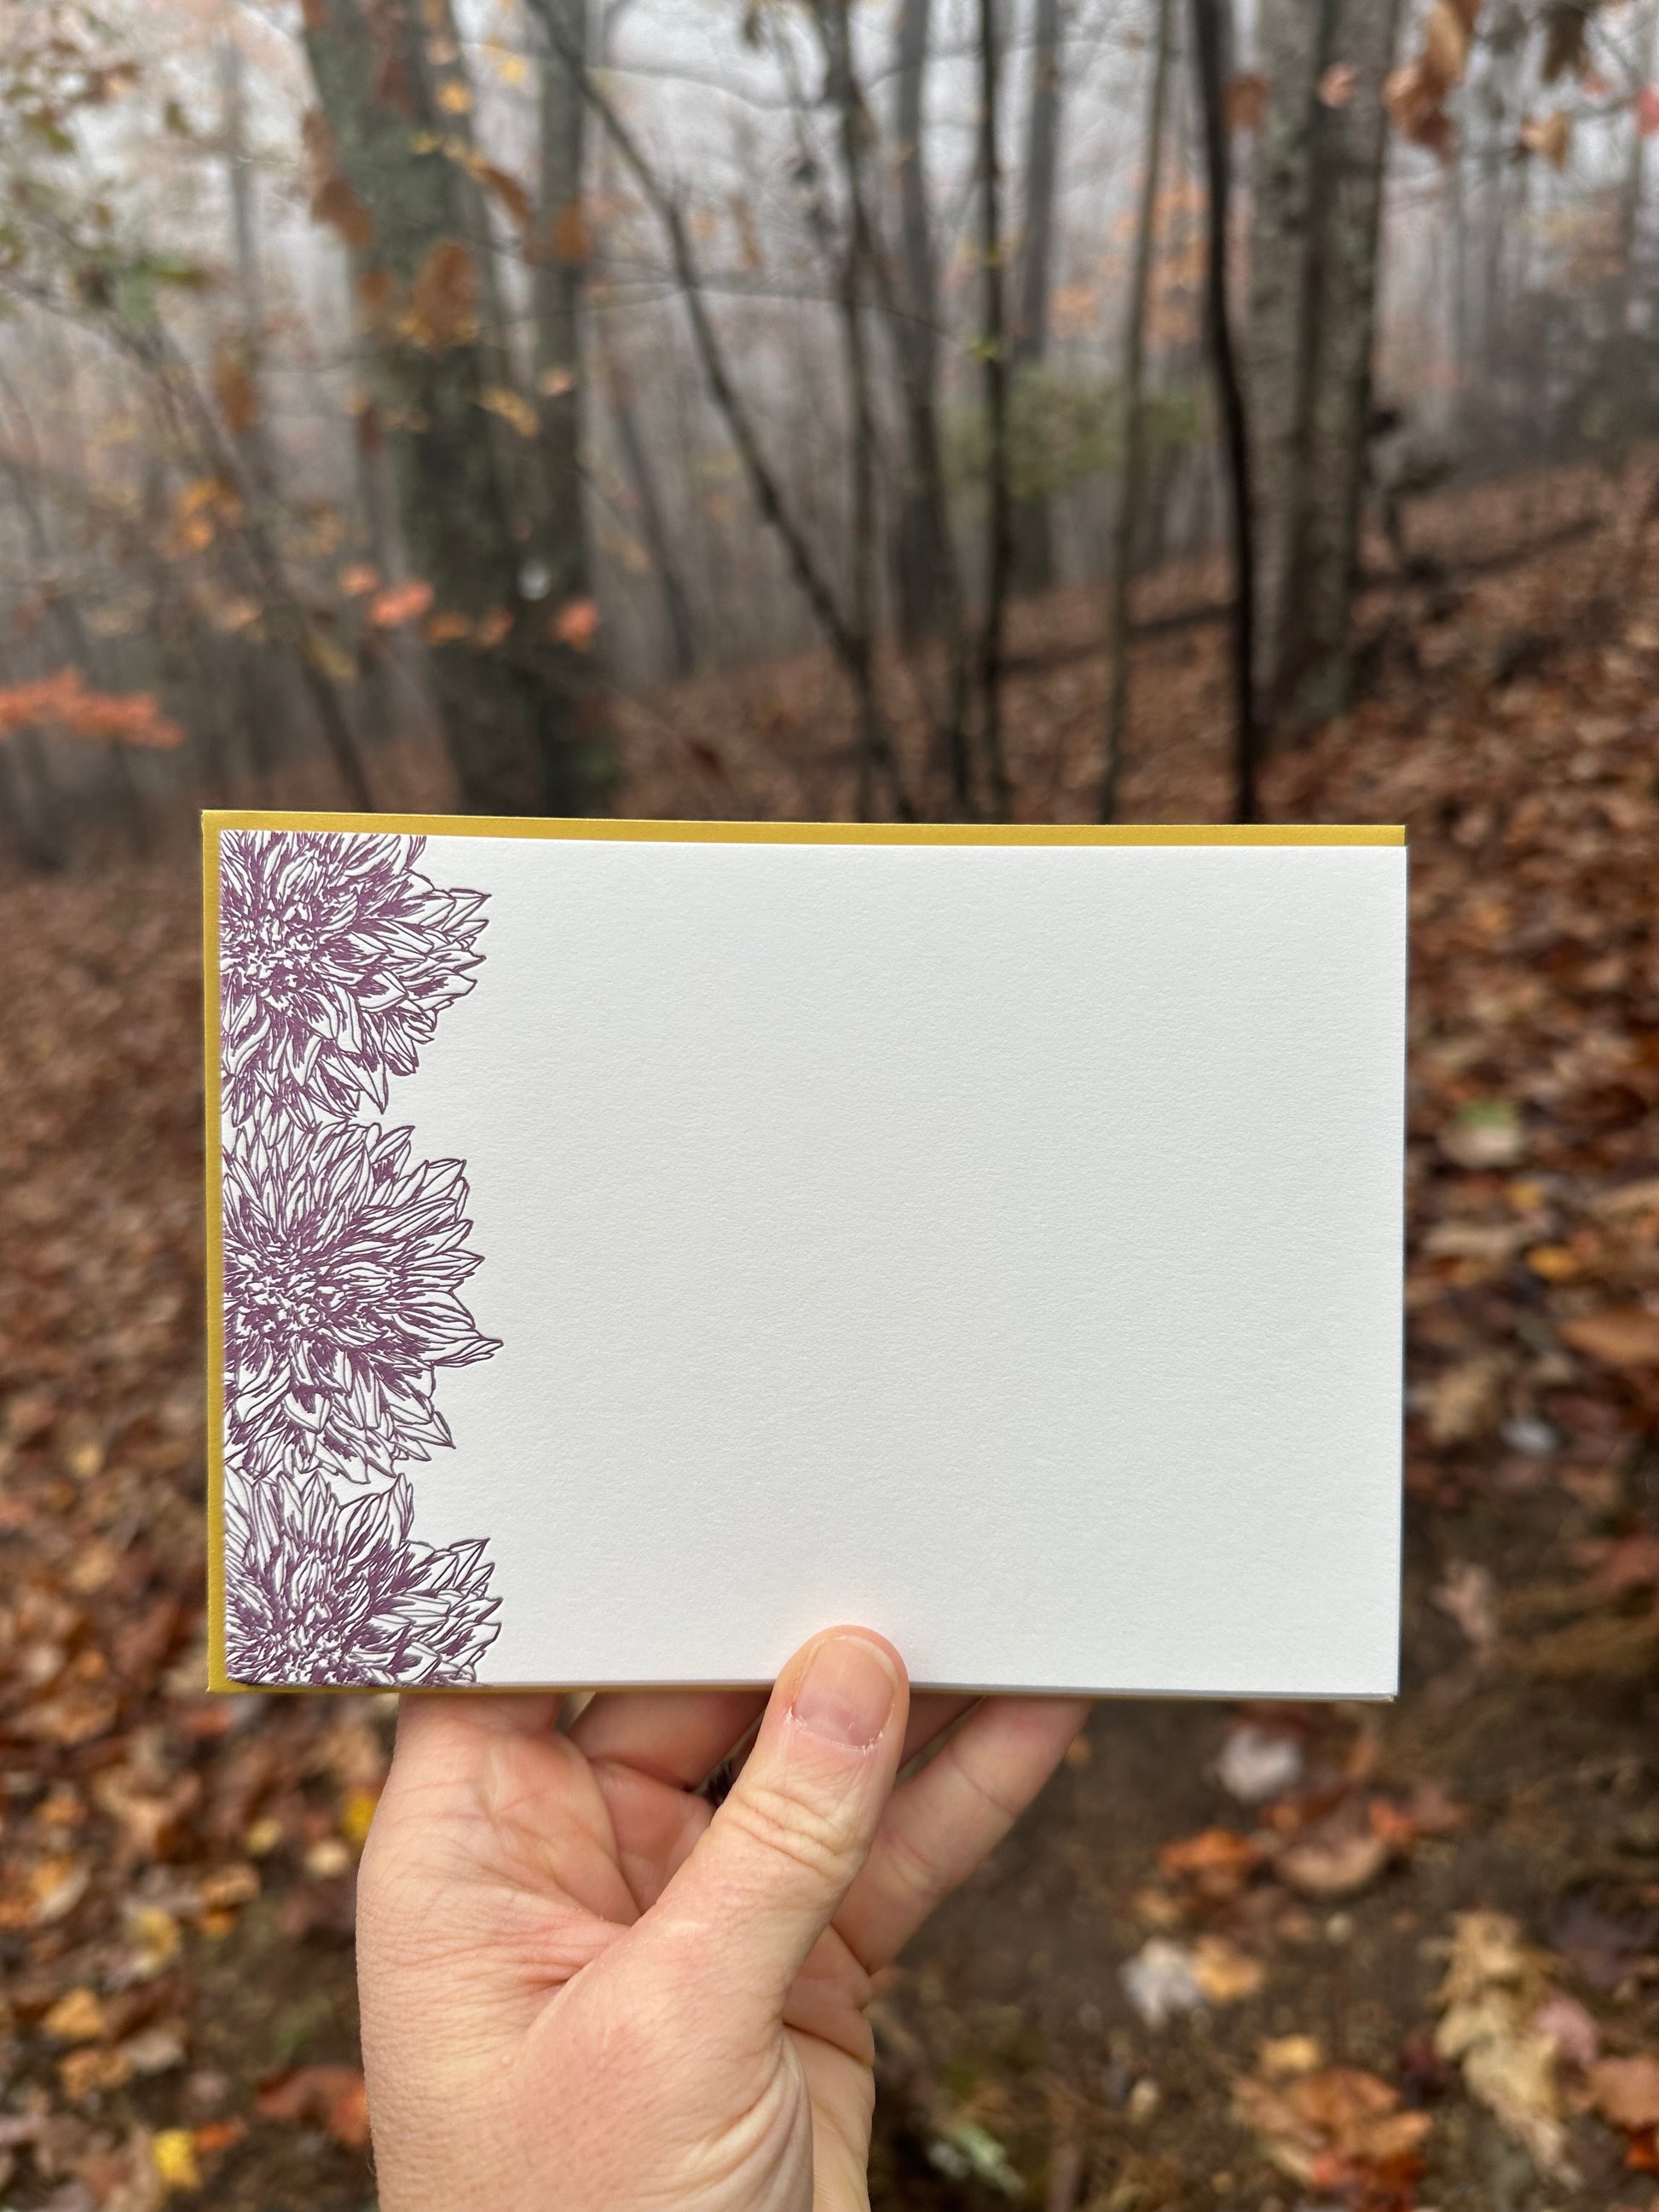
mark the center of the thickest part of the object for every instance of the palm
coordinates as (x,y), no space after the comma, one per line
(518,1869)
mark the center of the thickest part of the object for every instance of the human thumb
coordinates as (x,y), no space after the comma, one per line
(783,1850)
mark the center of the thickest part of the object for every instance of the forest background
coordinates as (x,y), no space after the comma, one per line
(973,409)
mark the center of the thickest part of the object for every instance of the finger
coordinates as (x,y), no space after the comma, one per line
(434,1725)
(677,1735)
(931,1715)
(655,1824)
(942,1822)
(779,1856)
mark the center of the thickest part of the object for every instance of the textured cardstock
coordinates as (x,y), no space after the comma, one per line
(634,1246)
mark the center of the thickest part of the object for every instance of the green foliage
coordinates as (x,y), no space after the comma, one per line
(1063,428)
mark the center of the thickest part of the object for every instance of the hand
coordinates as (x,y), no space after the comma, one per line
(585,1990)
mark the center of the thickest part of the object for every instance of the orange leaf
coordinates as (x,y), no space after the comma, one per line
(65,701)
(1626,2092)
(331,2094)
(576,624)
(399,604)
(443,300)
(335,203)
(508,193)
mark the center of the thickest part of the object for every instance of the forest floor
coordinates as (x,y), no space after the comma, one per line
(1371,1957)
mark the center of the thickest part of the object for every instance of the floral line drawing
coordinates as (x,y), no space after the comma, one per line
(344,1263)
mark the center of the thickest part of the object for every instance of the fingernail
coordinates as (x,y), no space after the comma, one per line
(847,1692)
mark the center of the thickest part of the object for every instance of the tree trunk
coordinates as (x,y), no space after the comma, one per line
(1320,166)
(562,573)
(1317,670)
(1291,53)
(919,536)
(843,93)
(1033,553)
(1134,428)
(518,741)
(993,349)
(1209,42)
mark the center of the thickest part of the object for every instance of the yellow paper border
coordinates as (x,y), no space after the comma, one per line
(216,820)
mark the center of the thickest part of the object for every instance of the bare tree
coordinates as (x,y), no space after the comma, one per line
(516,727)
(1291,55)
(1314,270)
(561,573)
(994,350)
(923,527)
(1315,659)
(1208,43)
(853,646)
(1132,486)
(1033,553)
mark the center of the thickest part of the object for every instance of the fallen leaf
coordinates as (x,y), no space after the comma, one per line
(157,2048)
(1161,1981)
(81,2017)
(93,2069)
(1281,2056)
(1224,1973)
(173,2151)
(1619,1336)
(1328,2129)
(1466,1400)
(1485,1134)
(1492,1994)
(1626,2091)
(1335,1860)
(1569,2027)
(333,2095)
(1217,1860)
(57,1887)
(1468,1594)
(1257,1763)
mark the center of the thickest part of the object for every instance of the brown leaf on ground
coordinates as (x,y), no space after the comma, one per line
(1218,1861)
(1338,1856)
(1331,2130)
(1626,2092)
(1491,1998)
(333,2096)
(1620,1336)
(1466,1400)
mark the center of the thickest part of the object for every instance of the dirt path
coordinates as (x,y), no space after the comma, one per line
(175,1871)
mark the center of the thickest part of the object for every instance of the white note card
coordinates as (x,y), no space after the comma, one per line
(643,1245)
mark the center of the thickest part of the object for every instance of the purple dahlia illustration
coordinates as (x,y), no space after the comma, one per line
(344,1263)
(331,1594)
(336,959)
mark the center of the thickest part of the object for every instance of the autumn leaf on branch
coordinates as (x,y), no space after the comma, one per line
(1415,95)
(65,703)
(443,300)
